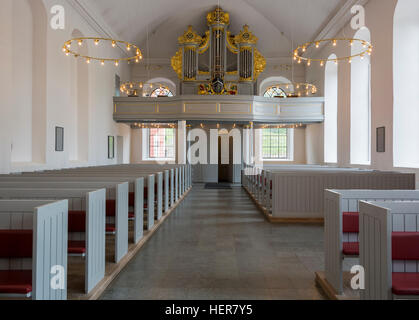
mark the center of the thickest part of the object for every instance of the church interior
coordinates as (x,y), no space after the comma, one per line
(209,150)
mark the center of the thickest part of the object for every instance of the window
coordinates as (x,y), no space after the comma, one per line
(161,143)
(331,112)
(161,92)
(405,84)
(275,92)
(276,144)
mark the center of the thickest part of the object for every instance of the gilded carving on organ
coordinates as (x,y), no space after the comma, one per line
(218,57)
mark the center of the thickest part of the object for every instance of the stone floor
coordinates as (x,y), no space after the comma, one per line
(217,245)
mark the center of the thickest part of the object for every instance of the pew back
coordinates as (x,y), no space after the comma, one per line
(378,220)
(48,222)
(336,203)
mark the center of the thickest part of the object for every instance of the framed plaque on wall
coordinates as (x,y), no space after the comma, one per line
(381,139)
(59,139)
(111,147)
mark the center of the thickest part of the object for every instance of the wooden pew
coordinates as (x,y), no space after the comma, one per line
(300,195)
(389,249)
(33,242)
(341,233)
(93,203)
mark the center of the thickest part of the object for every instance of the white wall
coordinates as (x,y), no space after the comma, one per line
(31,110)
(379,20)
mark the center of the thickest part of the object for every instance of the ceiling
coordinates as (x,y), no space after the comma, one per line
(279,24)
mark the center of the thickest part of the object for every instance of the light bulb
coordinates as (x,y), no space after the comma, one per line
(299,60)
(68,45)
(113,44)
(116,63)
(295,58)
(317,44)
(102,62)
(321,63)
(80,42)
(350,60)
(87,60)
(304,49)
(336,62)
(136,60)
(334,43)
(309,62)
(128,47)
(67,53)
(351,43)
(96,42)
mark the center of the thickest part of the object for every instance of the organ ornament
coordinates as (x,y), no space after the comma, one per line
(218,62)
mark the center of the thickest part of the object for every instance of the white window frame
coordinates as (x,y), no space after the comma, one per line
(146,147)
(290,147)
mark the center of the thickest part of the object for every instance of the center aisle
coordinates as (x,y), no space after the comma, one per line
(217,245)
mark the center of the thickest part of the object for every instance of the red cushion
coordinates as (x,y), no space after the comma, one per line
(405,284)
(131,199)
(16,281)
(76,221)
(131,215)
(350,248)
(76,247)
(110,208)
(110,228)
(350,222)
(16,243)
(405,245)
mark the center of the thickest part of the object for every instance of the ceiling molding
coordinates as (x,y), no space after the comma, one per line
(94,20)
(339,20)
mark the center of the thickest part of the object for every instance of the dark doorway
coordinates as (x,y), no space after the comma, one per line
(225,171)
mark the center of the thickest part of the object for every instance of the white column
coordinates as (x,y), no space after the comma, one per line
(6,85)
(181,140)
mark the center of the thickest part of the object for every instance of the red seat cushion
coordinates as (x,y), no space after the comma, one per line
(131,215)
(110,228)
(350,248)
(76,247)
(16,281)
(110,208)
(16,243)
(405,245)
(405,284)
(350,222)
(76,221)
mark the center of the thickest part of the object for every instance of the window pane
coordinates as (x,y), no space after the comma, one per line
(275,143)
(161,143)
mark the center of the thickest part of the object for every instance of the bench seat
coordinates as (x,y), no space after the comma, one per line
(77,248)
(350,248)
(405,284)
(16,282)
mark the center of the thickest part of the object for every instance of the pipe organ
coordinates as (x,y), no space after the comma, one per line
(218,63)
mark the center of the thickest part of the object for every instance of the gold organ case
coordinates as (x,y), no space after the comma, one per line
(218,63)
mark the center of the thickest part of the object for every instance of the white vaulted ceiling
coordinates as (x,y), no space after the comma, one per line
(277,23)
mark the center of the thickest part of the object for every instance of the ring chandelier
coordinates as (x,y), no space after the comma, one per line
(300,51)
(297,88)
(113,43)
(129,87)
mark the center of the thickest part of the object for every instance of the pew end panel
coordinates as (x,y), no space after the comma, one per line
(47,222)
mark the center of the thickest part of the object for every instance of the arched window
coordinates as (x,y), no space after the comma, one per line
(274,92)
(405,84)
(361,102)
(161,92)
(331,112)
